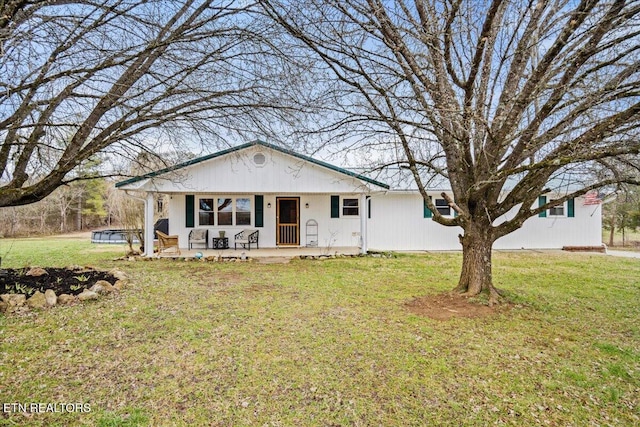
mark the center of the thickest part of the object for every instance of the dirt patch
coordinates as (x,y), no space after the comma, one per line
(61,280)
(450,306)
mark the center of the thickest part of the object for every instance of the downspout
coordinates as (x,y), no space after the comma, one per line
(363,224)
(148,221)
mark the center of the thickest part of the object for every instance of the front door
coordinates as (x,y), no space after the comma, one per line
(287,221)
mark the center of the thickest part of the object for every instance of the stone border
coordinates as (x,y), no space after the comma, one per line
(19,304)
(214,258)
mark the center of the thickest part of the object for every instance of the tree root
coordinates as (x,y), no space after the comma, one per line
(495,295)
(494,298)
(460,289)
(500,292)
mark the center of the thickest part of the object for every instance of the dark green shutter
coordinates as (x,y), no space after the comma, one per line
(542,200)
(259,200)
(190,201)
(369,207)
(426,212)
(335,206)
(571,208)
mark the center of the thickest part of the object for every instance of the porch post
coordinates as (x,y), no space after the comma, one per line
(149,206)
(363,224)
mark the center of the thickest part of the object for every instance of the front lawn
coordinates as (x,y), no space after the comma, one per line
(327,343)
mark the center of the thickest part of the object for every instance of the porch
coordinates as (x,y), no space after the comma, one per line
(279,252)
(293,200)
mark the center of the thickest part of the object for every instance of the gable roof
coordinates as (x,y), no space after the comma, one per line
(242,147)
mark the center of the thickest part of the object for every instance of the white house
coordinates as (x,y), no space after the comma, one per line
(295,200)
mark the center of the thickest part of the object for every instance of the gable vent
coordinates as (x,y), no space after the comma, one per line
(259,159)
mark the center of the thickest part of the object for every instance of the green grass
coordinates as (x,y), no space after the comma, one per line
(328,343)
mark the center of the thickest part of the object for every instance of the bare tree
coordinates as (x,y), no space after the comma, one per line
(64,197)
(88,77)
(623,212)
(128,212)
(505,99)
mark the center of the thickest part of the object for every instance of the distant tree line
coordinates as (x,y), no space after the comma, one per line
(622,215)
(74,207)
(80,206)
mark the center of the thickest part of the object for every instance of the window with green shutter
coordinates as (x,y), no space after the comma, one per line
(426,212)
(335,206)
(189,209)
(571,208)
(542,200)
(259,200)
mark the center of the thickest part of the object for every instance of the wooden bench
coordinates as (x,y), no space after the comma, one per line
(246,238)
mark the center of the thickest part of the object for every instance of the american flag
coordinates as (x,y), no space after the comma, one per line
(592,198)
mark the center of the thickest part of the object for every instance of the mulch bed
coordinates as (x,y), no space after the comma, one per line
(61,280)
(450,306)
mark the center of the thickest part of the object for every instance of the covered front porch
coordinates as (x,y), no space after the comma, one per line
(292,201)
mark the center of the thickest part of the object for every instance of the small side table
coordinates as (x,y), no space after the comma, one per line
(220,243)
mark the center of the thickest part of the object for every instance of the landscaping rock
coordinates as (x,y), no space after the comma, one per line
(14,300)
(23,309)
(37,300)
(66,299)
(62,281)
(50,297)
(87,295)
(36,272)
(118,274)
(119,285)
(102,287)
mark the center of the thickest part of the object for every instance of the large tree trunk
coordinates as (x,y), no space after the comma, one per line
(476,276)
(612,232)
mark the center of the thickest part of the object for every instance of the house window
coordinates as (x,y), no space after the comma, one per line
(443,207)
(225,211)
(350,207)
(243,211)
(206,214)
(160,205)
(557,210)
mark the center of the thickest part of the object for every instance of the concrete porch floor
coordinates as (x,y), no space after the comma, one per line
(281,252)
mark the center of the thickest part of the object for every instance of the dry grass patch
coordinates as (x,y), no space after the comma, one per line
(449,305)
